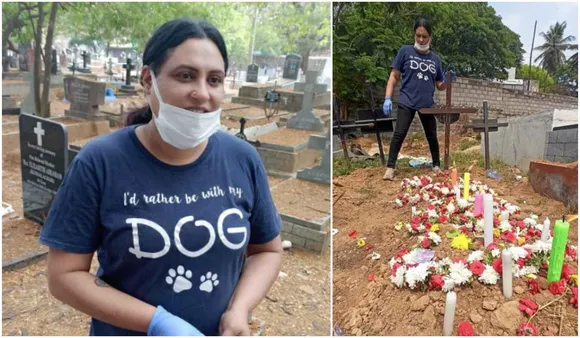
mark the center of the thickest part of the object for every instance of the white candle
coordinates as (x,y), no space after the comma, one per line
(506,258)
(545,230)
(450,301)
(488,219)
(457,193)
(413,211)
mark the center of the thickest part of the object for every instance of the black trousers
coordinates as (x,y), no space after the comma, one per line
(405,116)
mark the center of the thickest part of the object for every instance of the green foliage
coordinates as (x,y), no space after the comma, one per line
(538,74)
(469,37)
(552,56)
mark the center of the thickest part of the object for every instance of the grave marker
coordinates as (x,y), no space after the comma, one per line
(54,63)
(321,172)
(84,96)
(305,118)
(44,161)
(127,88)
(252,74)
(291,66)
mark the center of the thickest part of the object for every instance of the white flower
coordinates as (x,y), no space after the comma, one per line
(489,275)
(468,214)
(526,270)
(448,284)
(399,203)
(462,204)
(392,262)
(540,246)
(476,255)
(445,191)
(495,253)
(411,257)
(504,226)
(450,208)
(434,237)
(479,225)
(399,278)
(512,208)
(416,274)
(432,213)
(517,252)
(459,273)
(425,197)
(473,188)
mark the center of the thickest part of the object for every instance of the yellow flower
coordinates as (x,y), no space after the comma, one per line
(435,227)
(360,242)
(521,240)
(496,232)
(399,226)
(461,242)
(574,279)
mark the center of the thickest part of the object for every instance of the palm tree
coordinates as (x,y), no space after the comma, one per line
(573,60)
(553,49)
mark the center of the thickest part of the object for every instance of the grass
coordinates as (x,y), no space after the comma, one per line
(468,144)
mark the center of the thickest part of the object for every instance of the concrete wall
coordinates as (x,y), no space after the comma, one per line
(556,180)
(304,236)
(521,141)
(562,145)
(286,163)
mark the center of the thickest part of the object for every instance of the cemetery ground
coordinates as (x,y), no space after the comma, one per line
(297,304)
(367,302)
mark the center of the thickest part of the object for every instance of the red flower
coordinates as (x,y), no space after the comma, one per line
(426,243)
(465,329)
(574,299)
(491,247)
(353,234)
(528,306)
(395,267)
(424,180)
(495,220)
(527,329)
(464,230)
(477,268)
(571,252)
(459,260)
(529,251)
(566,272)
(427,225)
(497,265)
(520,262)
(436,282)
(463,219)
(558,287)
(430,207)
(521,224)
(509,236)
(371,277)
(442,219)
(416,219)
(414,227)
(533,286)
(369,246)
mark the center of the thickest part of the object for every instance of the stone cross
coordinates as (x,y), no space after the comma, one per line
(450,115)
(85,56)
(485,126)
(110,63)
(305,118)
(129,67)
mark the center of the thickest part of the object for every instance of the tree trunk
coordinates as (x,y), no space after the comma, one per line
(37,60)
(44,107)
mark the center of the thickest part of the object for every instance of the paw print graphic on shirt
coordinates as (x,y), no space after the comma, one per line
(180,279)
(208,282)
(420,76)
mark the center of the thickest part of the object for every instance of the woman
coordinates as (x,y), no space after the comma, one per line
(421,71)
(172,204)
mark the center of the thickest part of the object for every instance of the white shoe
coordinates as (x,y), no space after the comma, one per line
(436,170)
(389,174)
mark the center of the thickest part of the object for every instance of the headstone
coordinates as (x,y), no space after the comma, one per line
(44,161)
(252,74)
(86,61)
(84,96)
(291,66)
(128,88)
(321,172)
(54,63)
(305,118)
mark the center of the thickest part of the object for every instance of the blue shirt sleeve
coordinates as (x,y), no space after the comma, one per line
(399,60)
(439,74)
(73,222)
(265,221)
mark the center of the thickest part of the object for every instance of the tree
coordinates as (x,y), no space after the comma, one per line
(14,29)
(546,81)
(552,56)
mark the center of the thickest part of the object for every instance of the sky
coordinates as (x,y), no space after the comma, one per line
(520,17)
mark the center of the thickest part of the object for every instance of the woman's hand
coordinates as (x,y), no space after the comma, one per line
(387,106)
(234,322)
(164,323)
(453,76)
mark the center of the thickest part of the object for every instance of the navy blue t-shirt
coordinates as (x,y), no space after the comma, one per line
(419,73)
(168,235)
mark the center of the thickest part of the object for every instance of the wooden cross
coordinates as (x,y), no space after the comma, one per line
(485,126)
(450,115)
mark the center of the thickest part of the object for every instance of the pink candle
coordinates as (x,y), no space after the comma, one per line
(478,207)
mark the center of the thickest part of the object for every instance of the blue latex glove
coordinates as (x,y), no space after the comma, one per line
(453,76)
(387,106)
(164,323)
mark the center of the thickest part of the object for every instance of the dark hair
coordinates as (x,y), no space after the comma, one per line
(170,35)
(422,23)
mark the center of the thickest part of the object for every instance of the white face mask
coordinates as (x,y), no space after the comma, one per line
(422,48)
(182,128)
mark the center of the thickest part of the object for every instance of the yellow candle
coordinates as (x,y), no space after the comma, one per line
(466,186)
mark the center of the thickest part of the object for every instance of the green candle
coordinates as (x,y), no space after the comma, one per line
(558,249)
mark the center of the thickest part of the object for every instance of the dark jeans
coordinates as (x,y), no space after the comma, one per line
(405,116)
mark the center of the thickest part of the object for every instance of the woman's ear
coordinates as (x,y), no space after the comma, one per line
(146,78)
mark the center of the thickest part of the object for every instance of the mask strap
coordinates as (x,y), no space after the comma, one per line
(155,89)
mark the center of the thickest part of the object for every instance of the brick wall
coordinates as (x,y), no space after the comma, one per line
(562,145)
(308,238)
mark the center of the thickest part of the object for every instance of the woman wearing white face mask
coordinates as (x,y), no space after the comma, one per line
(181,213)
(420,70)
